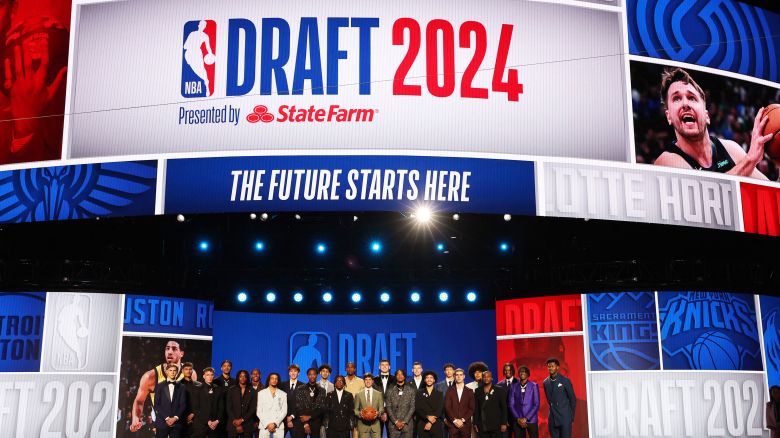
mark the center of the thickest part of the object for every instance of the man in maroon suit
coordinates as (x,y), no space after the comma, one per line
(459,407)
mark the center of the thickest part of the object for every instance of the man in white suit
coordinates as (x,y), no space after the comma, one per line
(271,409)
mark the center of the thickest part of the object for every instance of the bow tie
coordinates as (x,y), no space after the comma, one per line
(171,381)
(384,376)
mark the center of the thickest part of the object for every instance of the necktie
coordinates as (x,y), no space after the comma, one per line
(449,384)
(368,396)
(293,386)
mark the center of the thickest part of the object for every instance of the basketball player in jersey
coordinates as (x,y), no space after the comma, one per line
(694,148)
(173,355)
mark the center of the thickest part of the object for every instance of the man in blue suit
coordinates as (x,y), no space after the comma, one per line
(560,396)
(170,405)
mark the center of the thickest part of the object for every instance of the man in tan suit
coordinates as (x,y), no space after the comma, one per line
(369,397)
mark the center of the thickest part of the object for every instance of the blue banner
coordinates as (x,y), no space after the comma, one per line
(311,340)
(724,34)
(153,314)
(623,331)
(349,183)
(21,330)
(78,191)
(770,317)
(709,331)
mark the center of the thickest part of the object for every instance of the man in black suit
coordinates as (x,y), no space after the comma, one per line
(382,383)
(191,386)
(417,378)
(289,387)
(309,407)
(508,370)
(429,408)
(170,405)
(208,407)
(340,408)
(225,380)
(241,406)
(490,416)
(562,401)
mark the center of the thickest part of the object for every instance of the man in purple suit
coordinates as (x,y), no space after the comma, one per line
(170,405)
(524,405)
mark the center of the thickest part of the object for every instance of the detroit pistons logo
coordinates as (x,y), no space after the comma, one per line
(198,58)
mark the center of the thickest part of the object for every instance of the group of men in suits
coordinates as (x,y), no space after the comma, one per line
(355,407)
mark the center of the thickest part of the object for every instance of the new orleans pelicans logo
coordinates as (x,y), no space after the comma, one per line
(709,331)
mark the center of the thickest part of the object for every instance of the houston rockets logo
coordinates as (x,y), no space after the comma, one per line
(199,58)
(708,331)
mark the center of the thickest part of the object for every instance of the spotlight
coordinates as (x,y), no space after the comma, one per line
(354,218)
(423,215)
(321,248)
(297,297)
(444,296)
(415,297)
(356,297)
(270,296)
(180,217)
(327,297)
(471,296)
(440,247)
(264,217)
(507,217)
(456,217)
(297,217)
(384,297)
(242,297)
(376,247)
(259,246)
(203,245)
(503,247)
(252,216)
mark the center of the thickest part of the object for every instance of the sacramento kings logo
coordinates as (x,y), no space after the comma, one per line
(709,331)
(623,331)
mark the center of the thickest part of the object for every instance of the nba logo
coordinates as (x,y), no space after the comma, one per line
(198,58)
(71,332)
(309,349)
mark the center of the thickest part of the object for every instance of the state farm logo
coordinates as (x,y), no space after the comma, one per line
(260,114)
(312,114)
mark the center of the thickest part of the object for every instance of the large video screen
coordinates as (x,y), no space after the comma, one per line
(650,364)
(433,339)
(72,363)
(646,111)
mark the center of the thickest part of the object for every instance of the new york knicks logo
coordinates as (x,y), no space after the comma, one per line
(198,58)
(709,331)
(309,349)
(623,331)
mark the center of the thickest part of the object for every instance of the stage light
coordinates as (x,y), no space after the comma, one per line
(297,217)
(356,297)
(327,297)
(242,297)
(440,247)
(503,247)
(259,246)
(507,217)
(423,215)
(456,217)
(270,296)
(203,245)
(415,297)
(264,217)
(444,296)
(471,296)
(354,218)
(376,246)
(297,297)
(252,216)
(384,297)
(180,217)
(321,248)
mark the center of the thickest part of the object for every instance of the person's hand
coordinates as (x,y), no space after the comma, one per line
(399,425)
(240,429)
(305,418)
(271,427)
(503,428)
(136,426)
(457,423)
(523,422)
(476,429)
(189,418)
(428,426)
(170,421)
(431,419)
(237,422)
(757,141)
(213,425)
(383,418)
(307,428)
(289,424)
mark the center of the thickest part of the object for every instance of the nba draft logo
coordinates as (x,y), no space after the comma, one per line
(709,331)
(198,58)
(309,349)
(623,331)
(71,332)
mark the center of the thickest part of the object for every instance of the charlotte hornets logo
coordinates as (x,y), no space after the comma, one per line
(623,331)
(709,331)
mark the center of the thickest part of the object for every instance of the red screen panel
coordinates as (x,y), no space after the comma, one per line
(539,315)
